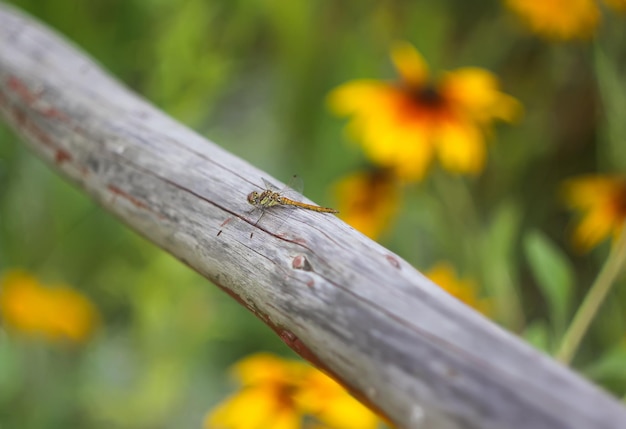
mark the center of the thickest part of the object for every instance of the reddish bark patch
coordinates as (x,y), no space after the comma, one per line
(51,112)
(123,194)
(62,156)
(24,123)
(30,98)
(297,346)
(226,222)
(21,89)
(393,261)
(253,310)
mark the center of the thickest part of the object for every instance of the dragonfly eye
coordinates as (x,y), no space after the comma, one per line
(253,198)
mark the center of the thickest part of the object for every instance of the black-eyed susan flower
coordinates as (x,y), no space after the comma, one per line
(368,200)
(562,19)
(282,394)
(601,201)
(404,125)
(55,313)
(444,275)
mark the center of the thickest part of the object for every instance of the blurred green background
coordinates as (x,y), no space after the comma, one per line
(252,75)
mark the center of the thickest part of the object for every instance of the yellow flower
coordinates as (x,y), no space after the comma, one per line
(562,19)
(405,125)
(55,313)
(279,394)
(322,397)
(602,202)
(368,200)
(464,290)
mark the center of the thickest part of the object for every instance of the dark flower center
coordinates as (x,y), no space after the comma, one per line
(378,184)
(428,96)
(284,394)
(619,201)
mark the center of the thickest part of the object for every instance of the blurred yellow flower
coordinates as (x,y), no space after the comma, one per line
(323,398)
(368,200)
(601,200)
(562,19)
(55,313)
(405,125)
(444,275)
(618,5)
(279,394)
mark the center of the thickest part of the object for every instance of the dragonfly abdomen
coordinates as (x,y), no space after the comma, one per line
(288,202)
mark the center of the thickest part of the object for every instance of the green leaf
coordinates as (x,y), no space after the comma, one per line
(611,366)
(537,335)
(11,371)
(554,275)
(500,265)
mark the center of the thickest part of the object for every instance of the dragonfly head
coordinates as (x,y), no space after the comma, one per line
(254,198)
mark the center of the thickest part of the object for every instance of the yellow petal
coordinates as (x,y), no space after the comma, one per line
(461,148)
(601,199)
(345,412)
(591,191)
(329,402)
(248,409)
(284,419)
(418,155)
(368,201)
(266,368)
(592,229)
(391,137)
(444,275)
(53,312)
(558,19)
(254,408)
(476,90)
(409,150)
(357,96)
(409,63)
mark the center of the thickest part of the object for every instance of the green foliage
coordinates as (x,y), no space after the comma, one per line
(609,369)
(499,264)
(254,76)
(537,334)
(554,274)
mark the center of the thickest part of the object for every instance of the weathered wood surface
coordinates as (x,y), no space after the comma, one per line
(340,300)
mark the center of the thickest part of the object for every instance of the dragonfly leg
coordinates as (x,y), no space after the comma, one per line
(223,224)
(229,219)
(257,221)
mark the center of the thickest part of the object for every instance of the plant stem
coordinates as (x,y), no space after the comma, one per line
(594,299)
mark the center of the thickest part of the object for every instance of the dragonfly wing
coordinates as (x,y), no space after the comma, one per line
(269,185)
(296,183)
(293,189)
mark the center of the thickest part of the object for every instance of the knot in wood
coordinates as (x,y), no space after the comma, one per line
(300,262)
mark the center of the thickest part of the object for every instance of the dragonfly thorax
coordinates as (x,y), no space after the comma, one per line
(264,199)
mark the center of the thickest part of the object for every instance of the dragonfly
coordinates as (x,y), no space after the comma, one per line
(272,196)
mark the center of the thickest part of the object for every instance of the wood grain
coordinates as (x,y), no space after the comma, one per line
(342,301)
